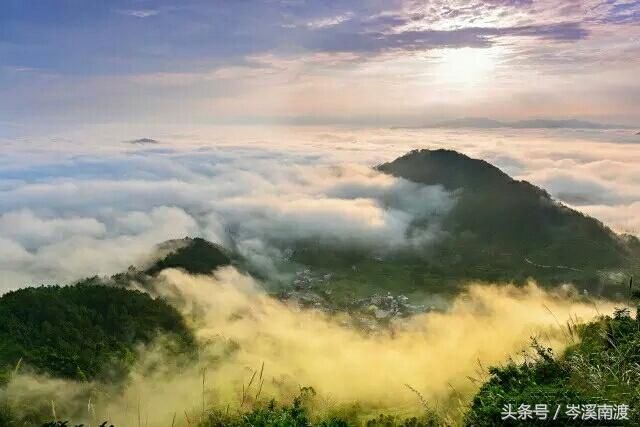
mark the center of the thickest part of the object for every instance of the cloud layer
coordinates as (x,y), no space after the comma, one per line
(88,215)
(397,62)
(70,209)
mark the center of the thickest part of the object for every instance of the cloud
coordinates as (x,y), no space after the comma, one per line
(140,13)
(31,231)
(330,21)
(39,250)
(78,207)
(121,67)
(429,38)
(625,216)
(348,205)
(83,209)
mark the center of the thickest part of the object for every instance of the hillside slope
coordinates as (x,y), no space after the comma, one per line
(601,369)
(501,228)
(83,331)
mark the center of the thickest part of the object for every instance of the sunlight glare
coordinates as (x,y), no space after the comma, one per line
(465,66)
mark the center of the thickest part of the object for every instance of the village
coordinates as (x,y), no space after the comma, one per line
(311,290)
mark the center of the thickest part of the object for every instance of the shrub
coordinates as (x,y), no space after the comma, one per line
(603,368)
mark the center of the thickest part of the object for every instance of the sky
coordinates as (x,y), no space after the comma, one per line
(67,63)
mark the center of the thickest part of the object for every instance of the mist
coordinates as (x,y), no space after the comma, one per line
(245,333)
(104,226)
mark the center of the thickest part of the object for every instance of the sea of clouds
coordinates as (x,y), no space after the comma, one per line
(89,202)
(80,205)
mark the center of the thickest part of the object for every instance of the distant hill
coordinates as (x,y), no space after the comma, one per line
(499,229)
(142,141)
(510,228)
(193,255)
(485,123)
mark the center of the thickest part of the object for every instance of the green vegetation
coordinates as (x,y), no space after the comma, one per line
(603,368)
(97,326)
(297,414)
(6,418)
(85,331)
(357,274)
(508,230)
(499,230)
(272,414)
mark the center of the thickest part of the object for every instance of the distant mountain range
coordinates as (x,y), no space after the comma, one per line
(142,141)
(486,123)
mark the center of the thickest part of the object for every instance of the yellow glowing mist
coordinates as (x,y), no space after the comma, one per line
(242,328)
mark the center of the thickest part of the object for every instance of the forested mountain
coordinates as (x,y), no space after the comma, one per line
(90,330)
(501,228)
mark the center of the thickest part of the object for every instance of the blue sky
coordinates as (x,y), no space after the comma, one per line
(391,62)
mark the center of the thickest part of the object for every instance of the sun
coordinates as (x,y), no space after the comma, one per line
(465,66)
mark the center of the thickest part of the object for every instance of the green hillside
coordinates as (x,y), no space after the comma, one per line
(83,331)
(513,225)
(499,230)
(504,229)
(602,369)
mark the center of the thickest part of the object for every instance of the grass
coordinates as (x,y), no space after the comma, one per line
(602,368)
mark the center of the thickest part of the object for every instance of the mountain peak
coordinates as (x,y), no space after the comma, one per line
(142,141)
(451,169)
(495,215)
(194,255)
(486,123)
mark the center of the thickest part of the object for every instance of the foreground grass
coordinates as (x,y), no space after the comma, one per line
(602,369)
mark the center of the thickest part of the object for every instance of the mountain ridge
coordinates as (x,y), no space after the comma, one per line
(487,123)
(503,211)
